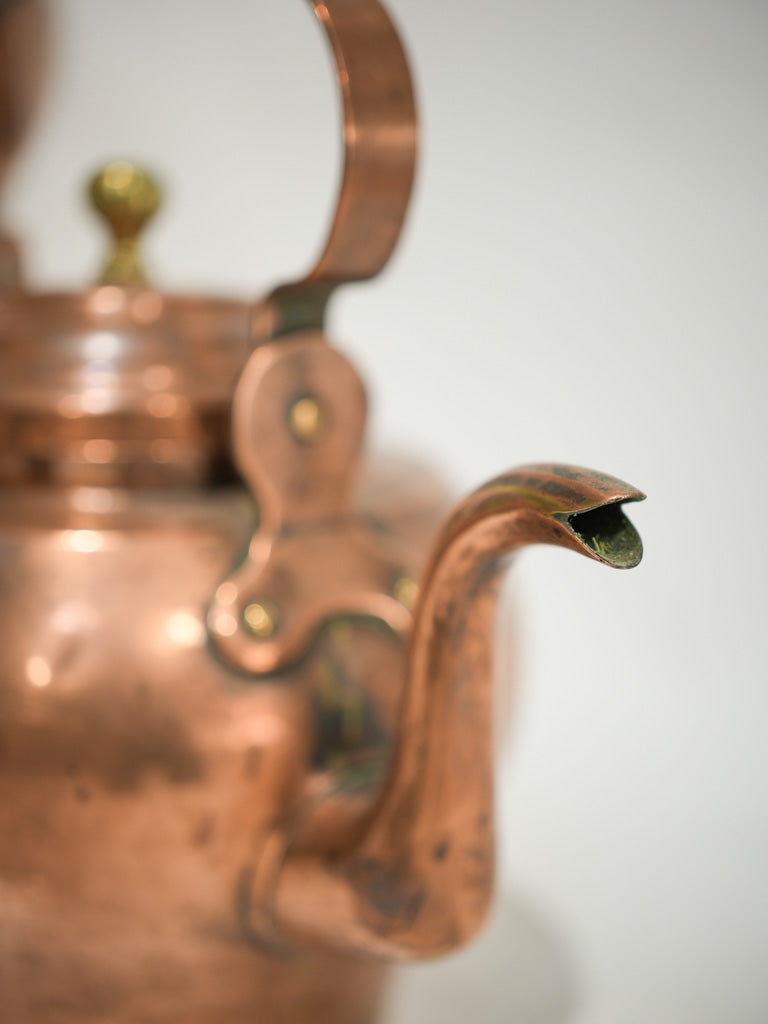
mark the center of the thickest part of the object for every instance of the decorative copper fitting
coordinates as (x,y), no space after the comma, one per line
(313,556)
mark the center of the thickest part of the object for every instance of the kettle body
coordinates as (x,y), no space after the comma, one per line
(246,712)
(140,777)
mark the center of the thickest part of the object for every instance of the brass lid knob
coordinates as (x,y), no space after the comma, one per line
(127,198)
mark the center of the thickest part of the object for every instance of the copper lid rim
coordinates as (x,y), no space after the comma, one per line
(118,302)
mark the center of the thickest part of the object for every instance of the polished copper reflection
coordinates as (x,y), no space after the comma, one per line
(311,557)
(245,683)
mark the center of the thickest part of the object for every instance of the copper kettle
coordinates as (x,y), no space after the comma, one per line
(245,701)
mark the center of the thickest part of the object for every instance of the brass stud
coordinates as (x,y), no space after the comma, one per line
(305,418)
(262,619)
(406,590)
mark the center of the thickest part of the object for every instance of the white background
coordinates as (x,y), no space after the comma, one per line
(583,278)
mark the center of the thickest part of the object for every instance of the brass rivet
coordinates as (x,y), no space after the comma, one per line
(305,418)
(406,590)
(261,618)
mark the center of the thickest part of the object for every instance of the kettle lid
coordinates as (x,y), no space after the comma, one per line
(123,384)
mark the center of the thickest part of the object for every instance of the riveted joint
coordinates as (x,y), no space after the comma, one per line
(305,418)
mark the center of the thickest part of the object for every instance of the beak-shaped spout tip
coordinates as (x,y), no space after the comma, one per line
(606,534)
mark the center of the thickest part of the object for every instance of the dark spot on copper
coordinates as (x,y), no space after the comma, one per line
(69,655)
(568,472)
(243,900)
(204,831)
(382,892)
(253,758)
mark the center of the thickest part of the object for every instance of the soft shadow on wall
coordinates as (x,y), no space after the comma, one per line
(518,972)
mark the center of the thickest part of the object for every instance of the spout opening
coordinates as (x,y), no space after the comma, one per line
(608,534)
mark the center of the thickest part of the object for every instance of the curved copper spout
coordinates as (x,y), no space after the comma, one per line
(417,880)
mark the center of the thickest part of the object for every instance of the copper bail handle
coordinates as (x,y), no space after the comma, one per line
(299,407)
(380,136)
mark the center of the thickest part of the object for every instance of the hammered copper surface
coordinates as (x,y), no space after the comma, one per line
(140,780)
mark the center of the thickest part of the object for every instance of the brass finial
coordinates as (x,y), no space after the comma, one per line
(127,198)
